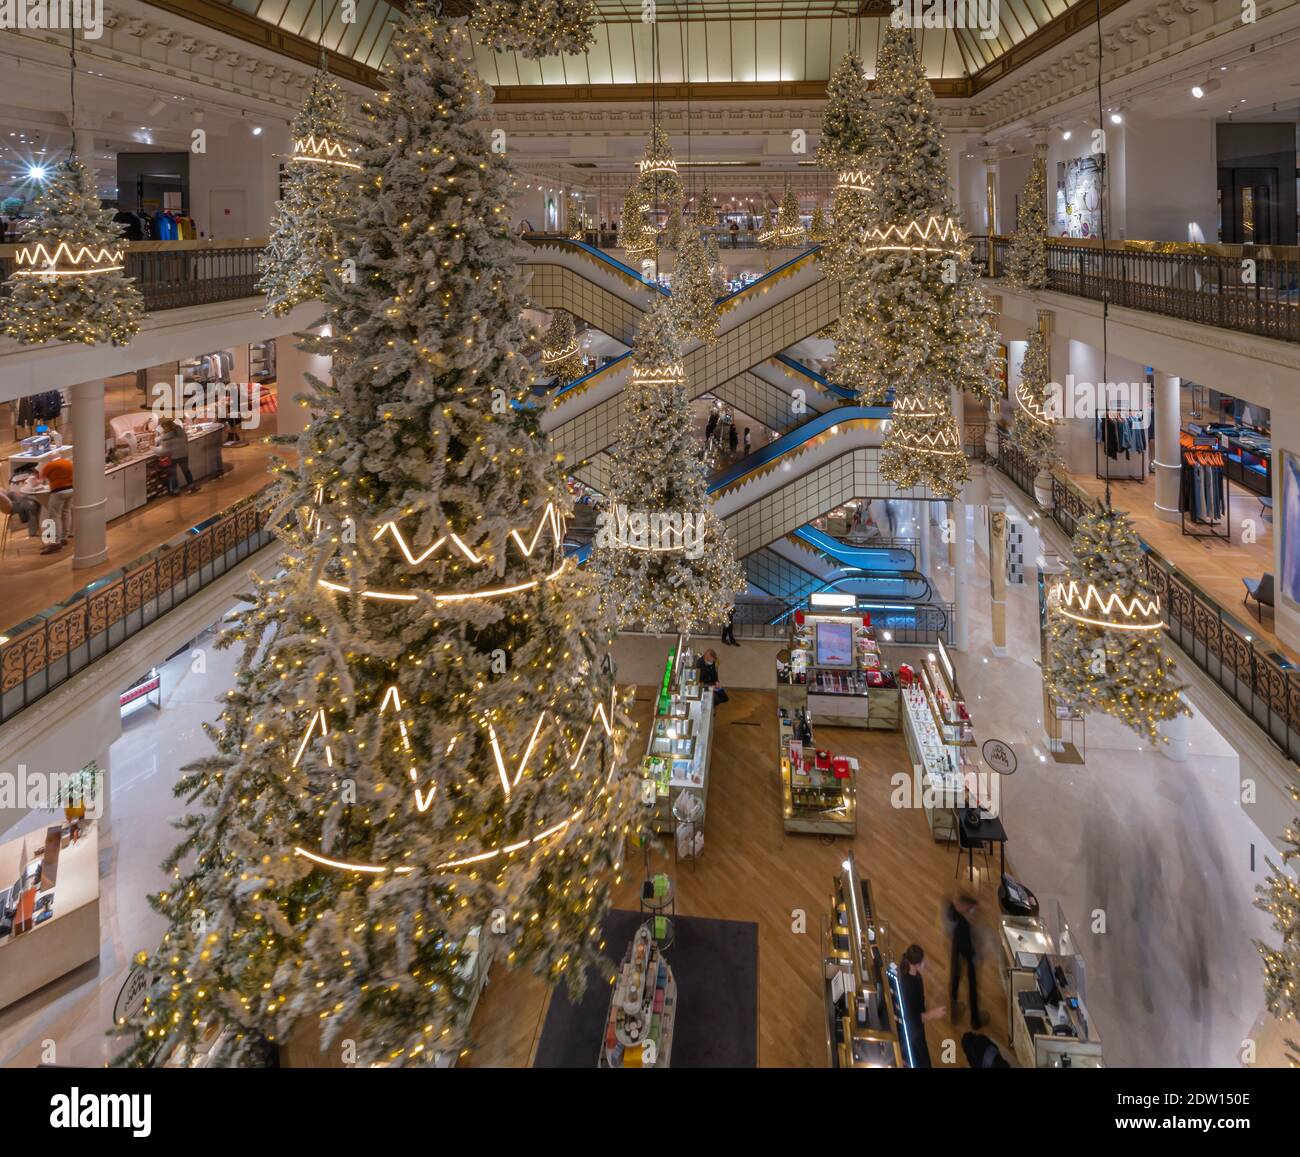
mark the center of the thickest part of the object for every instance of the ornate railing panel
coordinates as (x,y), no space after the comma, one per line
(48,649)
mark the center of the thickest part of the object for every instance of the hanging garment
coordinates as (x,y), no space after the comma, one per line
(130,225)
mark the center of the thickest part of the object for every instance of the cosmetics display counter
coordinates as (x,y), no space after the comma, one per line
(1048,1025)
(49,907)
(817,792)
(833,669)
(677,756)
(938,730)
(862,994)
(642,1010)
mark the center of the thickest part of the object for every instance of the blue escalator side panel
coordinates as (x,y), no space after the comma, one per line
(609,365)
(864,557)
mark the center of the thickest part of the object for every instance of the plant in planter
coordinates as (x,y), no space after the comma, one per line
(80,787)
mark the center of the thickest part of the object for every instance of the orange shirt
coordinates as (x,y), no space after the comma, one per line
(58,473)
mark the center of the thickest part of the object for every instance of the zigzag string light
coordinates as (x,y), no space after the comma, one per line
(602,716)
(937,235)
(550,519)
(673,374)
(664,527)
(657,165)
(550,359)
(1026,401)
(944,444)
(80,263)
(854,180)
(322,151)
(1133,614)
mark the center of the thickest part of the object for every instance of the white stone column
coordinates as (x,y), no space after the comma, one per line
(89,504)
(292,366)
(960,597)
(998,572)
(1168,456)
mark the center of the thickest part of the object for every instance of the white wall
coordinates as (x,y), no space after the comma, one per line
(237,160)
(1172,180)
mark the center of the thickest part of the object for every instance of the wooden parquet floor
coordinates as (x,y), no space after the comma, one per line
(752,870)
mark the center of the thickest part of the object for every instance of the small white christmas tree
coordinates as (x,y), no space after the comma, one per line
(818,230)
(1033,432)
(423,745)
(1105,636)
(695,288)
(1027,259)
(319,180)
(535,28)
(789,223)
(1279,896)
(69,282)
(663,556)
(561,358)
(636,236)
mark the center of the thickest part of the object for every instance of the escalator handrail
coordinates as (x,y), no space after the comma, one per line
(821,380)
(586,378)
(757,283)
(599,255)
(833,548)
(818,424)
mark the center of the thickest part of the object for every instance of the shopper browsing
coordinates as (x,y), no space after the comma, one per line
(57,475)
(174,450)
(958,914)
(912,986)
(708,668)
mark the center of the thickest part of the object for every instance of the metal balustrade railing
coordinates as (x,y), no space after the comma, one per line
(45,651)
(1262,682)
(175,274)
(1246,288)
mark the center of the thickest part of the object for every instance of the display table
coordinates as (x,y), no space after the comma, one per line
(681,738)
(642,1010)
(20,461)
(833,670)
(936,770)
(814,801)
(69,936)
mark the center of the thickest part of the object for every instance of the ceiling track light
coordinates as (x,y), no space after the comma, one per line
(1204,87)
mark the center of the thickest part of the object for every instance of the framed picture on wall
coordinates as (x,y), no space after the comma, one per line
(1290,524)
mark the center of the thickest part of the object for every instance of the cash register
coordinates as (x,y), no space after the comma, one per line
(1047,1011)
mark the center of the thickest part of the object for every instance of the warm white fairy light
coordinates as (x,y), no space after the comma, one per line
(321,151)
(1132,614)
(64,261)
(934,235)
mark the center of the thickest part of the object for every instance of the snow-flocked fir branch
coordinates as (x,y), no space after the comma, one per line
(535,28)
(658,473)
(1027,258)
(70,232)
(1033,431)
(454,745)
(1279,896)
(318,182)
(695,287)
(1113,669)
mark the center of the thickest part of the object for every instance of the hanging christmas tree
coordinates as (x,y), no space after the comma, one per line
(846,117)
(636,236)
(789,223)
(663,557)
(68,282)
(695,288)
(1105,634)
(1279,896)
(660,185)
(318,181)
(918,321)
(923,445)
(534,28)
(422,745)
(818,230)
(844,149)
(1027,259)
(561,358)
(1034,430)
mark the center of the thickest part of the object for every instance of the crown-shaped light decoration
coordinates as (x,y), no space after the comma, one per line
(65,261)
(555,357)
(508,769)
(1032,408)
(854,181)
(661,532)
(668,374)
(934,235)
(1112,612)
(321,151)
(550,527)
(923,445)
(649,166)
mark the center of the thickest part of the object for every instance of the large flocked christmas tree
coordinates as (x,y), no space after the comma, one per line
(663,556)
(844,148)
(421,741)
(561,357)
(69,282)
(318,178)
(1027,259)
(534,28)
(660,185)
(1279,896)
(914,319)
(636,236)
(1105,647)
(695,286)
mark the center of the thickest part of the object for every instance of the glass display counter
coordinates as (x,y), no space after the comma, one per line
(833,669)
(817,788)
(681,736)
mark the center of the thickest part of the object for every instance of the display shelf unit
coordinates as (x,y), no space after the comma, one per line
(860,980)
(261,360)
(642,1010)
(947,705)
(852,688)
(681,736)
(815,800)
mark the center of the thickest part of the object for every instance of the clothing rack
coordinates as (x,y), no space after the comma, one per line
(1123,415)
(1194,460)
